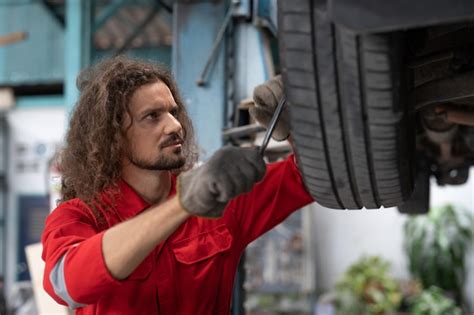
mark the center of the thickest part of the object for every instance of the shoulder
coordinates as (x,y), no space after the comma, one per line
(70,211)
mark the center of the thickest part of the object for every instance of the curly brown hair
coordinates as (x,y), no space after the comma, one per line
(91,160)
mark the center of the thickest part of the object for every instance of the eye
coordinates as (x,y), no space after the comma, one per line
(152,116)
(174,112)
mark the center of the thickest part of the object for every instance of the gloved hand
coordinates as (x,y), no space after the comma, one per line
(266,97)
(231,171)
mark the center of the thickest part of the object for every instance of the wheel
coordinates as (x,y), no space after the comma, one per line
(353,133)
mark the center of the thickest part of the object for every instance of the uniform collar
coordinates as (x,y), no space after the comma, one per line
(129,203)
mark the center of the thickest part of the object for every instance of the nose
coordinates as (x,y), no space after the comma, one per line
(172,125)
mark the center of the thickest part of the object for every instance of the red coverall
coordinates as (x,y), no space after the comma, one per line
(192,272)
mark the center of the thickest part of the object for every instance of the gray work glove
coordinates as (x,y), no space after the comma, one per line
(231,171)
(266,97)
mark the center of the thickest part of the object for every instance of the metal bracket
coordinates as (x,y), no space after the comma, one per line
(241,131)
(202,80)
(56,10)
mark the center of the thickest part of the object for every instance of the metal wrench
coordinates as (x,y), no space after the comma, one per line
(272,125)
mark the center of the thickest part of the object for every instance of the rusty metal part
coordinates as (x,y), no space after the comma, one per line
(468,137)
(12,38)
(452,175)
(454,89)
(439,131)
(429,60)
(461,117)
(431,68)
(446,115)
(435,119)
(446,141)
(445,150)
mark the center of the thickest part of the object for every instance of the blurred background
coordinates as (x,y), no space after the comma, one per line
(320,261)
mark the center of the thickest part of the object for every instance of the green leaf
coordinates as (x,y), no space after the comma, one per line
(436,246)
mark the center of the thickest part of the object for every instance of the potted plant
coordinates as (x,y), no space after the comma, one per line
(366,288)
(433,302)
(436,245)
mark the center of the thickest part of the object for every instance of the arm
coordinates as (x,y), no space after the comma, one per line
(282,190)
(82,263)
(280,193)
(125,245)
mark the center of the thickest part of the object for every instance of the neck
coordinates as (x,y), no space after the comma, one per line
(152,186)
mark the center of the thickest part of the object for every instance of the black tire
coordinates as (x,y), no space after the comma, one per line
(354,138)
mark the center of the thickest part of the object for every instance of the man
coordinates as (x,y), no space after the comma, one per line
(133,233)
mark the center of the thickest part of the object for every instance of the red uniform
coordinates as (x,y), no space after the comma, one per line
(192,272)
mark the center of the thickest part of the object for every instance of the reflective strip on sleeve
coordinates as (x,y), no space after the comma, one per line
(56,277)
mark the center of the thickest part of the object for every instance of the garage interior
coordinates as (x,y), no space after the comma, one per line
(382,117)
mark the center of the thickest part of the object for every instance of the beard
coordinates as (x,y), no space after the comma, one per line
(164,162)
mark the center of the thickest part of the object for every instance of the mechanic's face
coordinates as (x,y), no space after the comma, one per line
(154,140)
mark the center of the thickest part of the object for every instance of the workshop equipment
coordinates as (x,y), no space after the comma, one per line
(272,125)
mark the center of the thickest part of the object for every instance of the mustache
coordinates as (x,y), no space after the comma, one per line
(171,140)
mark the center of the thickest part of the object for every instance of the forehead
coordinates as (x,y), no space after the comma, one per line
(152,94)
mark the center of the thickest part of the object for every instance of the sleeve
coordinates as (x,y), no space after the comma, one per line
(75,272)
(272,200)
